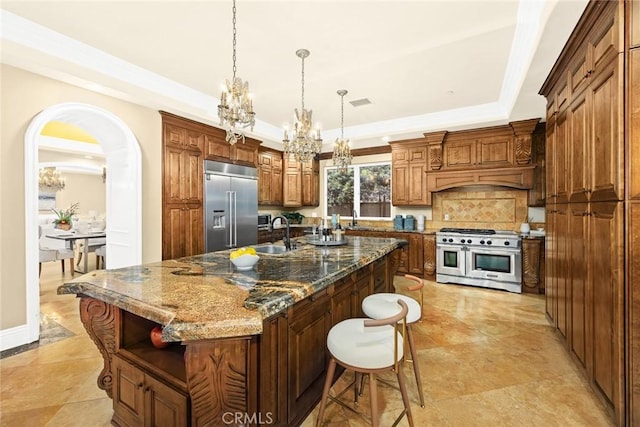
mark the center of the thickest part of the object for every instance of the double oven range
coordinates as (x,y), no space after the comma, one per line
(479,257)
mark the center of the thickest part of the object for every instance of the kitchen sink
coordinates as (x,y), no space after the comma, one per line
(271,249)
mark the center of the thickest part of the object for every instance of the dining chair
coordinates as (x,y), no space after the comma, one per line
(47,253)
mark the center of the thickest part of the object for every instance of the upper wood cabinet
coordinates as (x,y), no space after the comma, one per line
(300,182)
(499,155)
(311,183)
(269,177)
(408,173)
(186,144)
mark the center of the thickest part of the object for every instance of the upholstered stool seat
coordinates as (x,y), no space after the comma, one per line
(368,346)
(383,305)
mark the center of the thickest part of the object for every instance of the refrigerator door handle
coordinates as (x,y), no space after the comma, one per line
(229,243)
(235,219)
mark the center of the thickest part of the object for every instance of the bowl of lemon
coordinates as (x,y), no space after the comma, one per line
(244,258)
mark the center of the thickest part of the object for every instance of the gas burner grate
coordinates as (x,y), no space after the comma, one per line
(483,231)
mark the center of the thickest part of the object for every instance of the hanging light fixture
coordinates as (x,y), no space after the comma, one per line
(236,106)
(49,180)
(341,151)
(305,143)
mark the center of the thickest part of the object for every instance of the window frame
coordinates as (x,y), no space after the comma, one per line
(356,189)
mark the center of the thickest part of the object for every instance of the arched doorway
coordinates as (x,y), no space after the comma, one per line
(123,192)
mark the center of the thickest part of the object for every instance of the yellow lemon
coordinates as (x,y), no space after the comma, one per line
(234,254)
(251,251)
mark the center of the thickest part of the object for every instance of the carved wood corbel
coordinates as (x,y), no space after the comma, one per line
(99,320)
(523,131)
(434,144)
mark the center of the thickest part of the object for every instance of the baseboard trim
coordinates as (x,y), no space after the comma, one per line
(14,337)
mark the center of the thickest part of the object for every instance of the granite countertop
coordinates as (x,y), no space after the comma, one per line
(204,296)
(387,229)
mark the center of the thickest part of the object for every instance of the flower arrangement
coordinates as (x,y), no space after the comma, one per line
(64,216)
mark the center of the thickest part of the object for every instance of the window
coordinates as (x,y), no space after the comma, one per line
(366,187)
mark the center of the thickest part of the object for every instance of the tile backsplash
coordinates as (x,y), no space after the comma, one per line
(497,209)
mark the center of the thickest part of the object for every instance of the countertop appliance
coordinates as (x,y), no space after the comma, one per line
(230,205)
(264,221)
(479,257)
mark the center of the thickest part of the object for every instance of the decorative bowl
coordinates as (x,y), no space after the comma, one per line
(245,262)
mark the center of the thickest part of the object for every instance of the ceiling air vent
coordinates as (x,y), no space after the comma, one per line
(360,102)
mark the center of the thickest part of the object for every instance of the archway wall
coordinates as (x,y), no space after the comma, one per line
(24,95)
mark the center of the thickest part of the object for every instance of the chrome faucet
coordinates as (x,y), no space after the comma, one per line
(353,221)
(286,240)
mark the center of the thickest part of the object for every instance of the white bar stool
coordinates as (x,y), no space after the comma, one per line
(383,305)
(368,346)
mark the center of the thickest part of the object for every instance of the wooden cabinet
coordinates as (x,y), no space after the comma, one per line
(269,177)
(429,253)
(300,182)
(186,144)
(408,174)
(538,194)
(311,183)
(141,400)
(218,149)
(411,259)
(585,233)
(532,265)
(309,324)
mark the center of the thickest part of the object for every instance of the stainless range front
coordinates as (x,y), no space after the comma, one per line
(479,257)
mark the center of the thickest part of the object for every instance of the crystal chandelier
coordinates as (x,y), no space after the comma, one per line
(305,143)
(236,106)
(341,151)
(49,180)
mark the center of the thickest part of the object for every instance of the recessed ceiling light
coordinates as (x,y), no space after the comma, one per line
(360,102)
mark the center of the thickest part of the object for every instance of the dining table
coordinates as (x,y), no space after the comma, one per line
(72,236)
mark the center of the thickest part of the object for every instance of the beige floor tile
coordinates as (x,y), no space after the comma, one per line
(487,358)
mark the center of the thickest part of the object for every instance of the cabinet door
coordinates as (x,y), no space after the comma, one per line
(495,152)
(308,198)
(460,154)
(291,182)
(561,164)
(165,407)
(128,393)
(550,147)
(182,231)
(216,147)
(400,184)
(418,183)
(606,271)
(309,324)
(607,161)
(341,306)
(276,186)
(265,182)
(550,297)
(174,135)
(561,269)
(578,267)
(416,254)
(245,154)
(578,149)
(183,176)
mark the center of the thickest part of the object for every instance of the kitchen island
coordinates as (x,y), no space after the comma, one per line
(244,347)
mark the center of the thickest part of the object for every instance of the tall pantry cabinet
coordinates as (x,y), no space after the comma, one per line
(592,150)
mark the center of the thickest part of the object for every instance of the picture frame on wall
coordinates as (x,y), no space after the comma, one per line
(46,200)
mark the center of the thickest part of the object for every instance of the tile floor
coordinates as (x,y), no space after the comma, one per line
(488,358)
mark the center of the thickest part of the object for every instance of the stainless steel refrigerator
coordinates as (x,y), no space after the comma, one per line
(230,205)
